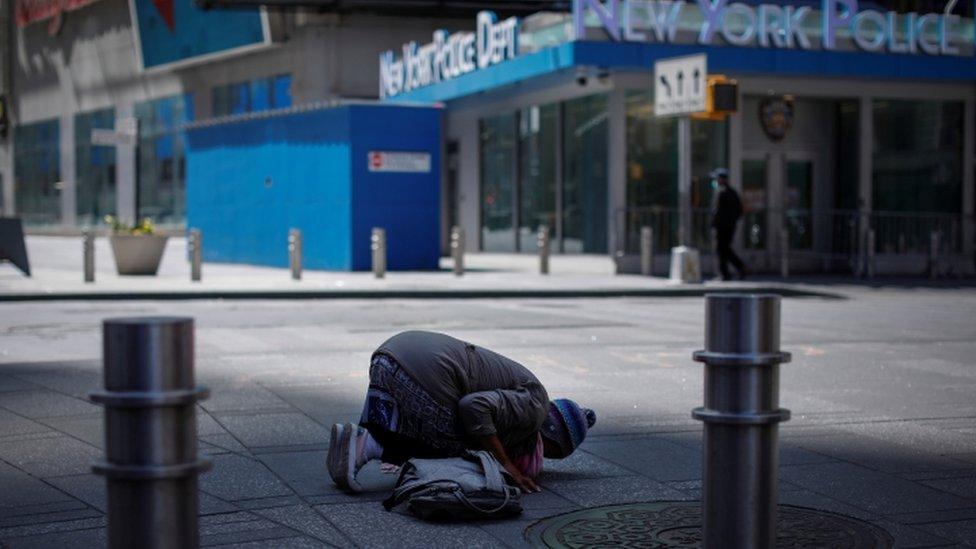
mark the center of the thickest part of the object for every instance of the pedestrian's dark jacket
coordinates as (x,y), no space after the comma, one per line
(727,210)
(494,395)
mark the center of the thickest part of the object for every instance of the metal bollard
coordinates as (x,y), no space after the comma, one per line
(934,244)
(741,416)
(88,246)
(784,252)
(195,242)
(457,249)
(151,464)
(647,251)
(295,253)
(870,253)
(543,243)
(378,245)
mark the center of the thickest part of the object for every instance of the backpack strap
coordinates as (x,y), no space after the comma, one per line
(493,480)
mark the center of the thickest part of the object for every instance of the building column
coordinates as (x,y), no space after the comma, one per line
(616,169)
(466,130)
(125,172)
(968,179)
(68,183)
(735,162)
(7,173)
(685,222)
(865,177)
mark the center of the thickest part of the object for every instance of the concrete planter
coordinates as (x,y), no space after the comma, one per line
(137,254)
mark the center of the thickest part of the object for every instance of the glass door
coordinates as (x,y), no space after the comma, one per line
(798,202)
(754,202)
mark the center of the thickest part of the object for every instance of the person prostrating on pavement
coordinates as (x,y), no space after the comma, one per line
(725,216)
(432,396)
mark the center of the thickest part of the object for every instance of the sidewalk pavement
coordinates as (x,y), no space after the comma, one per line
(56,264)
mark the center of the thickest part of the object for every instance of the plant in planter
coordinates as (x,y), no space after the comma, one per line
(137,248)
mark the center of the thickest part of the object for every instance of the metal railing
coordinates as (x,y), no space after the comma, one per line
(835,240)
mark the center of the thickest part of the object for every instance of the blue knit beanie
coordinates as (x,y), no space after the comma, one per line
(566,425)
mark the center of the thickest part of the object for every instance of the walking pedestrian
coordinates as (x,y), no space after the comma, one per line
(725,216)
(433,396)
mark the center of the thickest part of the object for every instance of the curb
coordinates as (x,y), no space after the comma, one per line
(182,295)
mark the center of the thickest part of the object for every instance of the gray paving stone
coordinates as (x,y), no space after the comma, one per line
(88,488)
(42,518)
(207,425)
(654,457)
(51,527)
(870,490)
(12,424)
(371,526)
(242,398)
(41,404)
(267,503)
(594,492)
(42,509)
(48,457)
(306,520)
(10,383)
(964,487)
(20,490)
(581,464)
(277,429)
(278,543)
(227,442)
(95,537)
(304,472)
(235,477)
(961,531)
(883,455)
(88,429)
(70,378)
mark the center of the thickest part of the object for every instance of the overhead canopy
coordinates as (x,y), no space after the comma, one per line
(407,7)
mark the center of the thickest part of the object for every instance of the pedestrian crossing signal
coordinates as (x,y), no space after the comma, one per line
(721,98)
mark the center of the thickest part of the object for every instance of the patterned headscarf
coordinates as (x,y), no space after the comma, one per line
(566,425)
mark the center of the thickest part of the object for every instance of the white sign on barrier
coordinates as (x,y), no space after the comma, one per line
(679,85)
(403,162)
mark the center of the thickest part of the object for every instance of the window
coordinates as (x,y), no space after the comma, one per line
(498,183)
(161,178)
(94,169)
(37,172)
(585,175)
(537,173)
(253,96)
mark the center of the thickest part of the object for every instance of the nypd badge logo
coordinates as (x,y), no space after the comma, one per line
(776,116)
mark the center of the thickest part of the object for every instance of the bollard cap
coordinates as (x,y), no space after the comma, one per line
(742,323)
(152,353)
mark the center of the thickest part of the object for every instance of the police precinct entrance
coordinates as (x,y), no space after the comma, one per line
(848,119)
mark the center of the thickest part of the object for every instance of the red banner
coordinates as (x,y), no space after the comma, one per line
(29,11)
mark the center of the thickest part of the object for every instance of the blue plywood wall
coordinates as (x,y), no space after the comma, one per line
(250,181)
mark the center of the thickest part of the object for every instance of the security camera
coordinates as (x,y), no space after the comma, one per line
(581,77)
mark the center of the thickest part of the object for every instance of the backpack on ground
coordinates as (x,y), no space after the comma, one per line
(470,487)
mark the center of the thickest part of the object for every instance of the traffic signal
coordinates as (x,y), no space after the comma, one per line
(721,98)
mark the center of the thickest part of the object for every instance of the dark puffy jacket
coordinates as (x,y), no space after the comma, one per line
(728,209)
(493,394)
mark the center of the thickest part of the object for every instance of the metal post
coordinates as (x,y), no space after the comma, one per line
(457,249)
(784,252)
(647,251)
(196,254)
(295,253)
(870,253)
(741,416)
(934,244)
(378,245)
(88,246)
(151,464)
(543,243)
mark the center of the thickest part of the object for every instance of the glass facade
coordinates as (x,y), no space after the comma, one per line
(538,140)
(585,175)
(918,156)
(545,165)
(498,154)
(251,96)
(94,169)
(162,166)
(37,172)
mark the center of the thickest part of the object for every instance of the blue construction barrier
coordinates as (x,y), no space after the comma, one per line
(251,180)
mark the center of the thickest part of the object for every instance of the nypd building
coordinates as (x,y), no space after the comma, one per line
(851,133)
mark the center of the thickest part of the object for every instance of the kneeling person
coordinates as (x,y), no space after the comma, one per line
(433,396)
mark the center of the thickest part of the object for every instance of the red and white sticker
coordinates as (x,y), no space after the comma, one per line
(398,161)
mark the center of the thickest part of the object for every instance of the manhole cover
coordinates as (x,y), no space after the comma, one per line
(678,524)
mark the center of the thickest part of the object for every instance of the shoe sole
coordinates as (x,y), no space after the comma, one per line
(342,453)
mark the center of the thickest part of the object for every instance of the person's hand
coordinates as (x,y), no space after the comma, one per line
(525,483)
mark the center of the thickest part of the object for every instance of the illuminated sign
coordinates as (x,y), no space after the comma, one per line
(449,55)
(173,33)
(775,25)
